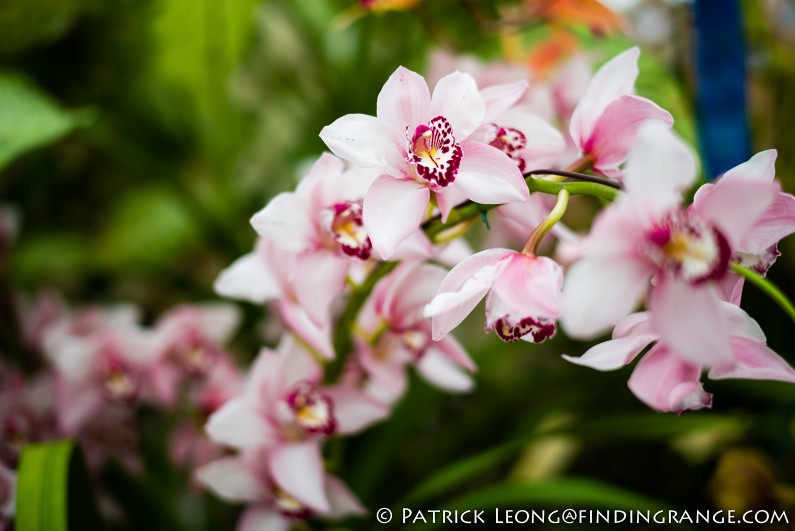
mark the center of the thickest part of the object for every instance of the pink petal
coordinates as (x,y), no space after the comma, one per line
(776,223)
(218,321)
(447,199)
(760,167)
(659,168)
(530,286)
(286,221)
(411,289)
(734,206)
(613,354)
(456,353)
(238,425)
(456,98)
(615,131)
(615,79)
(545,144)
(232,480)
(319,279)
(362,140)
(298,469)
(666,383)
(755,361)
(599,292)
(741,324)
(443,373)
(461,290)
(489,177)
(343,501)
(404,100)
(354,410)
(248,279)
(500,98)
(259,518)
(392,210)
(690,321)
(317,337)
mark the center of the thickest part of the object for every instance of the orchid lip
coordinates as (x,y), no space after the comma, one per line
(510,330)
(508,140)
(313,411)
(434,153)
(688,247)
(345,224)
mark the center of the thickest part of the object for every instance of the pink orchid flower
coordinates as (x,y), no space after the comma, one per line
(668,382)
(322,219)
(645,235)
(759,248)
(303,293)
(607,118)
(272,506)
(284,409)
(394,312)
(522,295)
(190,341)
(101,356)
(418,143)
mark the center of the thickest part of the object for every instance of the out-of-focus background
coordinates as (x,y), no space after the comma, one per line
(137,138)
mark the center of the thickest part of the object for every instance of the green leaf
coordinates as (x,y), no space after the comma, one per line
(53,490)
(28,118)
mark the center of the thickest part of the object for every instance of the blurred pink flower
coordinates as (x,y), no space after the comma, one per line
(101,356)
(522,295)
(400,336)
(285,410)
(606,120)
(190,342)
(418,143)
(645,235)
(667,382)
(272,505)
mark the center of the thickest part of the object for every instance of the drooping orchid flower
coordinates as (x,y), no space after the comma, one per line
(667,382)
(645,235)
(272,506)
(606,120)
(522,295)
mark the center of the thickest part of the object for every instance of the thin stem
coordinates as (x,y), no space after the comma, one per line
(469,210)
(554,216)
(768,287)
(343,339)
(578,176)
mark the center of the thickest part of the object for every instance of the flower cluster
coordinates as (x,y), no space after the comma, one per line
(99,366)
(355,263)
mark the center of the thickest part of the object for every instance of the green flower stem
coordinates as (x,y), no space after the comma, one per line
(343,332)
(768,287)
(554,216)
(468,211)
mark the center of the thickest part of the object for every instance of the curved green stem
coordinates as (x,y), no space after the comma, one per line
(554,216)
(467,211)
(768,287)
(343,338)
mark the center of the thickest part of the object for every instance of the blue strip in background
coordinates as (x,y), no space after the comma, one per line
(720,85)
